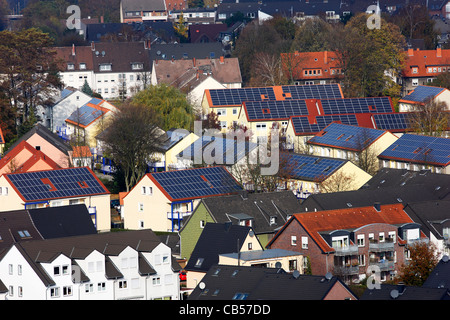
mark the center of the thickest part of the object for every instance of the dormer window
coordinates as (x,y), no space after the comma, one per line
(105,67)
(82,66)
(137,66)
(70,66)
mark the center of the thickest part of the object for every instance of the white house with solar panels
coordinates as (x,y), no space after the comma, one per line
(52,188)
(421,94)
(417,152)
(162,200)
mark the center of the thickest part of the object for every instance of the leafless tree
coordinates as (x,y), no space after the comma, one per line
(431,118)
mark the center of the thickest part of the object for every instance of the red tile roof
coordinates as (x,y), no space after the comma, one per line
(424,59)
(325,61)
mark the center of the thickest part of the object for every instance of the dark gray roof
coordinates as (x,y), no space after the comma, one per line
(259,206)
(440,276)
(367,197)
(143,5)
(64,221)
(11,222)
(216,238)
(181,50)
(432,215)
(396,292)
(224,282)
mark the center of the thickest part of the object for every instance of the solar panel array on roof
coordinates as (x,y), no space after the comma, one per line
(357,105)
(420,149)
(64,183)
(303,125)
(310,168)
(235,96)
(391,121)
(347,137)
(282,109)
(85,115)
(197,183)
(422,93)
(323,91)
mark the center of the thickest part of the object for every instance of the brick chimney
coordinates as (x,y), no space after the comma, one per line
(325,57)
(410,52)
(438,52)
(93,46)
(193,61)
(73,49)
(222,60)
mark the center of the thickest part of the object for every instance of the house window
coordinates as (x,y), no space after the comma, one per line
(156,281)
(222,112)
(54,292)
(57,271)
(361,260)
(70,66)
(140,207)
(101,286)
(415,82)
(122,284)
(137,66)
(360,240)
(293,240)
(82,66)
(67,291)
(304,242)
(105,67)
(414,70)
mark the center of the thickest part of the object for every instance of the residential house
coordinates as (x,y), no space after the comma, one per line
(45,223)
(113,70)
(193,16)
(234,154)
(308,174)
(53,188)
(178,51)
(24,158)
(422,66)
(226,10)
(291,261)
(312,67)
(265,212)
(224,282)
(390,292)
(193,76)
(417,152)
(421,95)
(205,33)
(218,238)
(82,156)
(162,200)
(231,104)
(86,122)
(349,242)
(432,215)
(351,142)
(106,266)
(53,117)
(41,138)
(139,10)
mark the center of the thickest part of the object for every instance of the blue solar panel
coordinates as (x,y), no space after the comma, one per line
(311,168)
(63,183)
(419,149)
(197,183)
(271,110)
(392,121)
(318,91)
(422,93)
(302,125)
(85,115)
(357,105)
(346,136)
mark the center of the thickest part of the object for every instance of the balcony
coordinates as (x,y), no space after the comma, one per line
(380,246)
(177,215)
(383,264)
(346,270)
(346,250)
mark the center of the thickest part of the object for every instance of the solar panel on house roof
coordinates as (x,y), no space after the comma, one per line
(64,183)
(282,109)
(197,183)
(311,168)
(346,137)
(422,93)
(303,124)
(85,115)
(391,121)
(322,91)
(357,105)
(420,149)
(235,96)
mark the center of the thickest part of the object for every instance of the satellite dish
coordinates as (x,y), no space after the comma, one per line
(328,276)
(445,258)
(96,53)
(394,294)
(296,274)
(251,233)
(202,285)
(278,265)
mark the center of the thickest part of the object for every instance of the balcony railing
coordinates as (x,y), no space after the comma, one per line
(386,245)
(346,270)
(383,264)
(346,250)
(177,215)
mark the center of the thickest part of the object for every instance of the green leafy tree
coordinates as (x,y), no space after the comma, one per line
(169,103)
(312,36)
(181,29)
(87,89)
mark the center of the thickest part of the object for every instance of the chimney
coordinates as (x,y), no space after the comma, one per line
(102,20)
(73,49)
(438,52)
(410,52)
(147,44)
(221,60)
(93,46)
(193,61)
(325,57)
